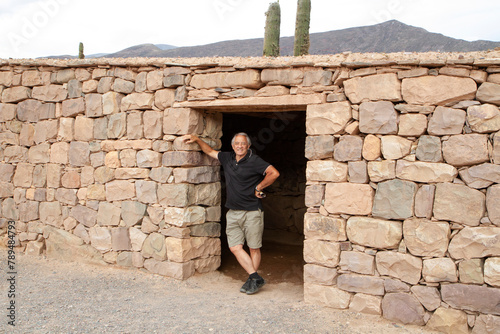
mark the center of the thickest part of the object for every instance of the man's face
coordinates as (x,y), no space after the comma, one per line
(240,145)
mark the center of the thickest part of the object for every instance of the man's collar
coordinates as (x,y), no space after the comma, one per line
(247,156)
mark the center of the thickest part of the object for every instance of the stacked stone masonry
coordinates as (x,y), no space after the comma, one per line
(403,174)
(93,170)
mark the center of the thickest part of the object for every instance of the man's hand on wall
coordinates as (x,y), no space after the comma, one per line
(189,138)
(204,146)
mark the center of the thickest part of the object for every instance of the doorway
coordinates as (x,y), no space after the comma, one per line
(278,138)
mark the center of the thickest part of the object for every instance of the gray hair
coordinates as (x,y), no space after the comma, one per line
(242,134)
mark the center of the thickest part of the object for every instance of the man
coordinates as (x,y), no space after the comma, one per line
(246,176)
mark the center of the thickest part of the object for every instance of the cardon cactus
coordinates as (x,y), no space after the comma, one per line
(301,41)
(272,32)
(80,52)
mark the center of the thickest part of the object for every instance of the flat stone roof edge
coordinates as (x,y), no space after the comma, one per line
(346,59)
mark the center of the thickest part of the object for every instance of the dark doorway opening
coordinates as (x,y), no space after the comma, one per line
(279,138)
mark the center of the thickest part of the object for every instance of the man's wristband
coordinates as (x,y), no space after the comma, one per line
(260,192)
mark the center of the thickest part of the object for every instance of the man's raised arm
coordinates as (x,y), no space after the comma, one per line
(204,146)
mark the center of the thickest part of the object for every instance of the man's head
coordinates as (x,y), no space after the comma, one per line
(241,143)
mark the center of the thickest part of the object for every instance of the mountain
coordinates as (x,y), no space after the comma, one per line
(165,46)
(141,50)
(390,36)
(133,51)
(96,55)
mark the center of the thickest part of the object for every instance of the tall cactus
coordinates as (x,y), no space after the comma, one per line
(301,41)
(80,51)
(272,32)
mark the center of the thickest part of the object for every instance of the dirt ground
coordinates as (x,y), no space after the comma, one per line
(62,297)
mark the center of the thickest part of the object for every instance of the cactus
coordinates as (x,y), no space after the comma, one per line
(80,53)
(301,41)
(272,30)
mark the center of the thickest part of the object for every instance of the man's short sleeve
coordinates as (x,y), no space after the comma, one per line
(261,165)
(223,157)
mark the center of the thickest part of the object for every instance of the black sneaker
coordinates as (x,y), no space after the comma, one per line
(245,286)
(255,285)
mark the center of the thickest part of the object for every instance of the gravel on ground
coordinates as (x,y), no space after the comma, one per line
(53,296)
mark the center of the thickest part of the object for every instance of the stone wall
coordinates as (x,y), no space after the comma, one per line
(403,173)
(93,170)
(404,199)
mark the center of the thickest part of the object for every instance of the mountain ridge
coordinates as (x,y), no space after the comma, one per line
(387,37)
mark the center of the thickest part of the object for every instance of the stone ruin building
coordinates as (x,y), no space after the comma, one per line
(390,172)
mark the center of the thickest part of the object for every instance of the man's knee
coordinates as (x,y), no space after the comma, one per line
(236,248)
(254,250)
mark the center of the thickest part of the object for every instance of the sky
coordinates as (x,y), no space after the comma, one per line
(38,28)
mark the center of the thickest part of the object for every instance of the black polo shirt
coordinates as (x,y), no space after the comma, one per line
(241,179)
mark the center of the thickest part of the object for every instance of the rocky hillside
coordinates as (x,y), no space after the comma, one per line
(390,36)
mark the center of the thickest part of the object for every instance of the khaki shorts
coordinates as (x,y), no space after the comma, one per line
(245,225)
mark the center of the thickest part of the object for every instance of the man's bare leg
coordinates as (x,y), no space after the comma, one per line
(250,263)
(243,258)
(255,255)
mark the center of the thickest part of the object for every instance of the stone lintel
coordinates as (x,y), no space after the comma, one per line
(263,104)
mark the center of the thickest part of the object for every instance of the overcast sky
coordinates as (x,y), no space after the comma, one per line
(30,28)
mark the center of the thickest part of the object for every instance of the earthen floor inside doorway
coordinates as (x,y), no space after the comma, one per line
(280,263)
